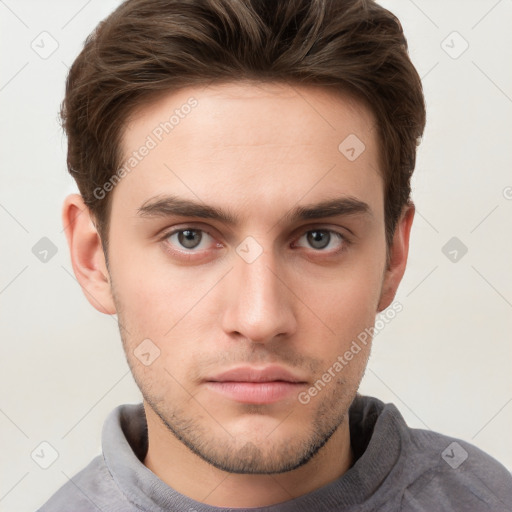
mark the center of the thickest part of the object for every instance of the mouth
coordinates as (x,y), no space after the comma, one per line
(253,385)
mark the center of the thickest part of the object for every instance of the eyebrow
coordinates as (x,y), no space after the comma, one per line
(168,206)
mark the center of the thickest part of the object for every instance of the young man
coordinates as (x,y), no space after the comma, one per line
(244,169)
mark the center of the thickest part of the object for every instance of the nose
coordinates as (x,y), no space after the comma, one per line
(259,304)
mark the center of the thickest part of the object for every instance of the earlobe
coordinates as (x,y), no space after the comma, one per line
(398,253)
(87,255)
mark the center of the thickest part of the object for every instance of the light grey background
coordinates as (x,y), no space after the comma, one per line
(444,360)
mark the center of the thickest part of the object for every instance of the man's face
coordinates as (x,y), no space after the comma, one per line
(271,294)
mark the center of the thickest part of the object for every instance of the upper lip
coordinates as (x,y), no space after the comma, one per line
(254,374)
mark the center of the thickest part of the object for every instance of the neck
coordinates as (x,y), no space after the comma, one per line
(191,476)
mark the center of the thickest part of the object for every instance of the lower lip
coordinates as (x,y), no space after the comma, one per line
(256,392)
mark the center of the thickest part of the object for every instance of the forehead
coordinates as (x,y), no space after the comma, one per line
(251,143)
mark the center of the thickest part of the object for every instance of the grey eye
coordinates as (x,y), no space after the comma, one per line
(189,238)
(319,239)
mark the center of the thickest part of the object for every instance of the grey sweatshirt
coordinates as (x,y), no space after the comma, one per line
(396,468)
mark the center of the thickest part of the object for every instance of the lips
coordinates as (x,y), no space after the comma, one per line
(254,374)
(249,384)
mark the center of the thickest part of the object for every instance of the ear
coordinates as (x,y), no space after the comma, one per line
(398,253)
(87,256)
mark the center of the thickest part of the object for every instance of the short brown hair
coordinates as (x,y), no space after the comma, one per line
(147,47)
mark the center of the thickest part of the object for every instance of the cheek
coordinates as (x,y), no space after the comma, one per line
(172,306)
(144,300)
(352,305)
(346,304)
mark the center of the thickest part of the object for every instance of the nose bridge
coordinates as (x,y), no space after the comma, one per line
(260,308)
(258,280)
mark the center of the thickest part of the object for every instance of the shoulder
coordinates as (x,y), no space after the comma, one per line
(90,490)
(451,474)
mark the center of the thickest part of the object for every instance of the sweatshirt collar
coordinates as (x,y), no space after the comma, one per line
(376,429)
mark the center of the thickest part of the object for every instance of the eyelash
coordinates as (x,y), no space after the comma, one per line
(193,254)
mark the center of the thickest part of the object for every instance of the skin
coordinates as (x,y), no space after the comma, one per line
(259,151)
